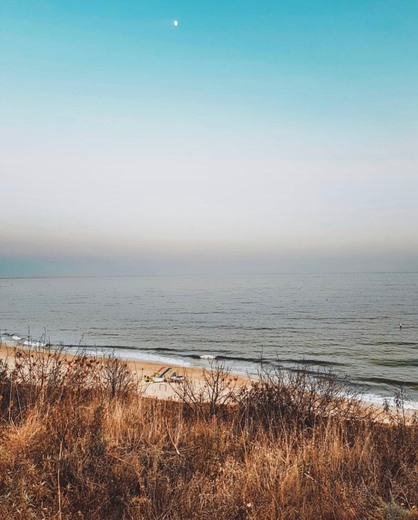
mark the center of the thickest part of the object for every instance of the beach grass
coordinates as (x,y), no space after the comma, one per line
(80,440)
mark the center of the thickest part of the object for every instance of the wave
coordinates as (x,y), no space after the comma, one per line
(396,362)
(381,400)
(33,343)
(11,335)
(318,362)
(390,343)
(390,382)
(26,342)
(133,355)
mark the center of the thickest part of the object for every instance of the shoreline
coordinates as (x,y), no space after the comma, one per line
(143,369)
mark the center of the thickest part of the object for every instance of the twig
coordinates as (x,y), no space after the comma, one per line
(59,482)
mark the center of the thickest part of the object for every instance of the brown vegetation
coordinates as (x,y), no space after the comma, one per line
(78,441)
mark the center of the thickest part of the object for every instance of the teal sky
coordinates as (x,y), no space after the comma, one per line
(269,135)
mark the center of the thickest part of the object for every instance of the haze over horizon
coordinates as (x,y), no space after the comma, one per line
(278,137)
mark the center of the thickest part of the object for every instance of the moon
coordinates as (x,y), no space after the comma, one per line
(176,23)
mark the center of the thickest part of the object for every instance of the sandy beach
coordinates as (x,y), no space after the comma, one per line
(144,371)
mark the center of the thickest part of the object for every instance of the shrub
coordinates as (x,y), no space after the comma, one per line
(78,441)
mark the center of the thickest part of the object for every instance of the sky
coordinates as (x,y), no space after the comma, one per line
(254,136)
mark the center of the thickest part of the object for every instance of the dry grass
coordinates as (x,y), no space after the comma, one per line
(77,441)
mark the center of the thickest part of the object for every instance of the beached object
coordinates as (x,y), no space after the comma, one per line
(159,376)
(174,378)
(164,372)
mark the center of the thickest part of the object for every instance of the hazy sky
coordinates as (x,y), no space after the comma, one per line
(272,135)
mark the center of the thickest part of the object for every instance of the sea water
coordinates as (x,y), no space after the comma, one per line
(362,326)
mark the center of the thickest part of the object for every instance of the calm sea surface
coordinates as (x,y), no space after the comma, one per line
(348,322)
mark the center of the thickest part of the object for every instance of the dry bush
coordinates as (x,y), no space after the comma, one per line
(211,395)
(103,451)
(116,378)
(41,377)
(302,399)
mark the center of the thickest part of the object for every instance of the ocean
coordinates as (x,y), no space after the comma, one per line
(348,323)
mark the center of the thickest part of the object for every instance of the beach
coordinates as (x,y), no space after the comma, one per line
(142,371)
